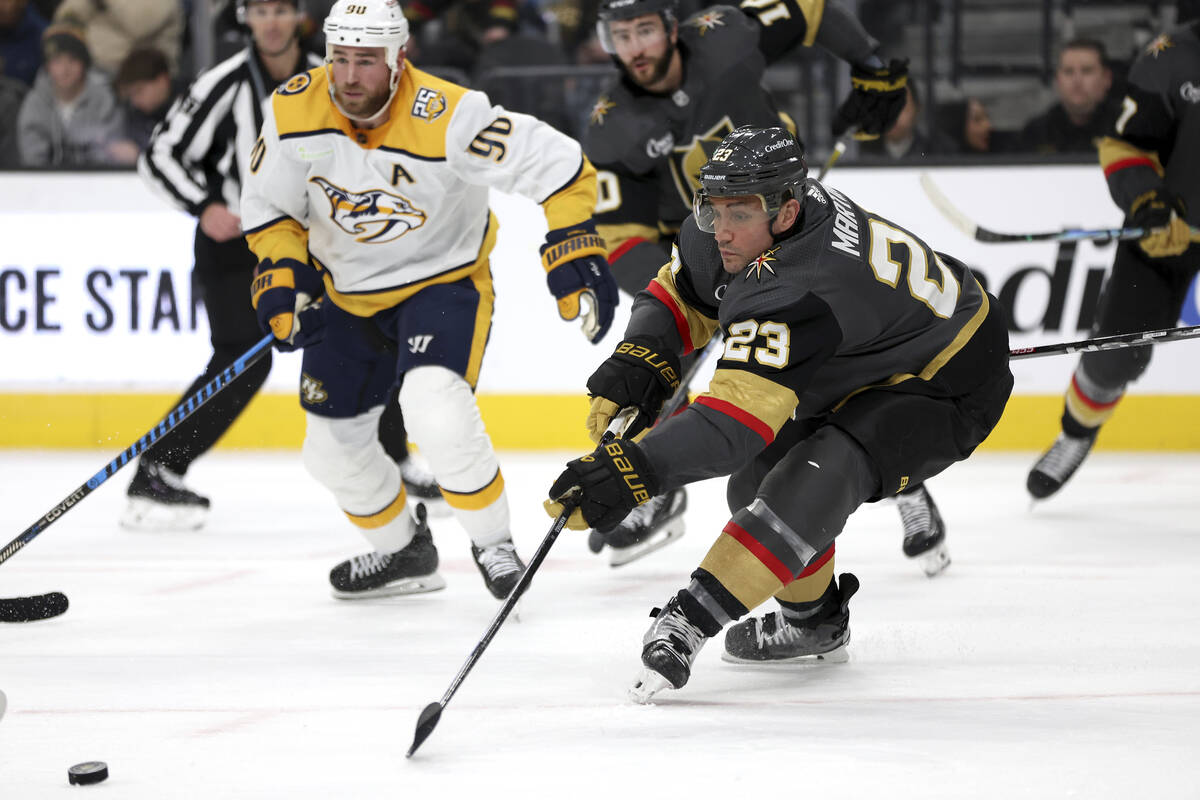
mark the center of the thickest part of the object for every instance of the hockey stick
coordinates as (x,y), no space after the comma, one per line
(29,609)
(1117,342)
(839,147)
(430,715)
(168,423)
(981,234)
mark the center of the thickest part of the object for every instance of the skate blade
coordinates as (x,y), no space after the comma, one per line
(647,684)
(146,515)
(934,560)
(425,583)
(620,556)
(838,655)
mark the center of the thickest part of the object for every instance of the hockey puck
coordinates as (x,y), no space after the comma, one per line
(87,772)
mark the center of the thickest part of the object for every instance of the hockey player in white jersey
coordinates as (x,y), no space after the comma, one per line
(369,188)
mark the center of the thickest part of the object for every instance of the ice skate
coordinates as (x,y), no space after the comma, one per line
(668,650)
(924,531)
(412,570)
(422,486)
(773,639)
(1058,464)
(158,500)
(648,527)
(500,567)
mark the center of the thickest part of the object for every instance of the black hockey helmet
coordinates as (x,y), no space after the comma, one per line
(612,10)
(767,163)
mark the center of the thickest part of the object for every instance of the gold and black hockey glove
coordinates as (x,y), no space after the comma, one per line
(577,275)
(1162,214)
(641,373)
(877,96)
(612,480)
(286,295)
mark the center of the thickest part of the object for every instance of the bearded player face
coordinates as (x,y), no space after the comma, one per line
(644,47)
(361,79)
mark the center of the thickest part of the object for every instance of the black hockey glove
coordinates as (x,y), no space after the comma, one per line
(641,373)
(283,295)
(578,275)
(1162,213)
(877,96)
(612,480)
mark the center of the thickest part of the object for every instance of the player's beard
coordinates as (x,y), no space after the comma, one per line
(366,106)
(658,72)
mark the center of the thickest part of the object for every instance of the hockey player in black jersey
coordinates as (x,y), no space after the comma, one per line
(1152,166)
(857,361)
(683,86)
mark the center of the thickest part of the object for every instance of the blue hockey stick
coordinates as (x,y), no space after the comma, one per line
(168,423)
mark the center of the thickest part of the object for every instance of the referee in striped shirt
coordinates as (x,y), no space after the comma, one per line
(196,159)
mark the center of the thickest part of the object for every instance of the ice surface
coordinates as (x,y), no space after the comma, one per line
(1057,657)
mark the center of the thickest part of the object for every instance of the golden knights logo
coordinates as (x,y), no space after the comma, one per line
(373,216)
(600,109)
(687,158)
(763,262)
(1160,43)
(707,21)
(429,104)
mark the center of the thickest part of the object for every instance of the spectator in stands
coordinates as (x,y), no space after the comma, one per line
(70,117)
(21,29)
(967,124)
(905,139)
(116,27)
(146,90)
(1084,110)
(12,92)
(467,27)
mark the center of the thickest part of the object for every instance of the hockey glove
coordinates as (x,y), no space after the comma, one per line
(282,295)
(877,96)
(578,275)
(1161,213)
(612,480)
(641,373)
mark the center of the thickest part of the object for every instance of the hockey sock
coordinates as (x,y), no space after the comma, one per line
(1088,405)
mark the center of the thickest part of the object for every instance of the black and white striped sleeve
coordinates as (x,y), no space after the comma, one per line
(181,161)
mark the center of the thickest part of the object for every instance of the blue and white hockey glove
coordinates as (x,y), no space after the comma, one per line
(286,295)
(578,276)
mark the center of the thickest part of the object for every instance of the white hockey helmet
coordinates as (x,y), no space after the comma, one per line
(368,23)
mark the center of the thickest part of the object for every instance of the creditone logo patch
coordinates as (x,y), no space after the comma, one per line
(429,104)
(372,216)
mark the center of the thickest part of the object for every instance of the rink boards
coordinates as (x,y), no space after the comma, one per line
(99,328)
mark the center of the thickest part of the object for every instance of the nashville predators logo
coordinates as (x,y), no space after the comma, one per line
(373,216)
(312,390)
(763,262)
(602,107)
(707,21)
(689,157)
(296,84)
(1160,43)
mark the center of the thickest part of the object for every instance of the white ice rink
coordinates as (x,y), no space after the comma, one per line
(1058,657)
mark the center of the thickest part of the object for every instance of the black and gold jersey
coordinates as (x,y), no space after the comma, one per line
(1152,142)
(847,302)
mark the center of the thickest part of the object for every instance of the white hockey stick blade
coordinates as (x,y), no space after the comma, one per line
(943,204)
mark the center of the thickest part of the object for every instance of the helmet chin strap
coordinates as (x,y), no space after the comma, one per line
(365,121)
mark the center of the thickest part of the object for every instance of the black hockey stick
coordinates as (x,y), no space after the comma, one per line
(839,147)
(981,234)
(430,715)
(11,609)
(30,609)
(1121,340)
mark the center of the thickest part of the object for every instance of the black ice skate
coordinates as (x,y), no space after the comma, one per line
(668,650)
(648,527)
(159,501)
(773,639)
(924,531)
(500,567)
(422,486)
(1058,464)
(412,570)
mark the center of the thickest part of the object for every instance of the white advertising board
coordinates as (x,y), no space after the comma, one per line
(95,291)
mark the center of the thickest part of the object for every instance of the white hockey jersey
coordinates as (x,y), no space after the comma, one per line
(388,210)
